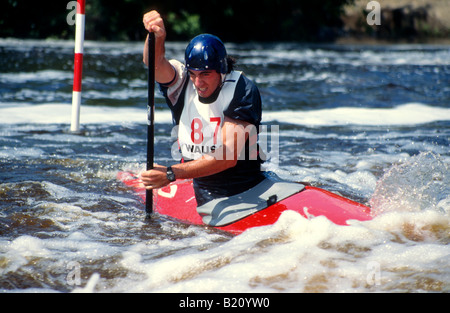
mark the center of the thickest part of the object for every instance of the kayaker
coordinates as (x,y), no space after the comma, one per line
(217,111)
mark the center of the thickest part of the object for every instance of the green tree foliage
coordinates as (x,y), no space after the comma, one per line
(32,19)
(232,20)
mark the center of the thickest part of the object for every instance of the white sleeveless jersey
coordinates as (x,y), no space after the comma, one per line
(200,126)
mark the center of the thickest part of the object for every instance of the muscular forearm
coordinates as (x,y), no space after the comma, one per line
(204,166)
(164,72)
(224,158)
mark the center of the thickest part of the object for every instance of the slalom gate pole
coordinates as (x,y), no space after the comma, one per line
(150,119)
(78,66)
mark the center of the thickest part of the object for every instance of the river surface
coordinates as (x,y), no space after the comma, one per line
(369,122)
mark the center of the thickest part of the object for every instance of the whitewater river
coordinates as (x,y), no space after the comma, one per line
(369,122)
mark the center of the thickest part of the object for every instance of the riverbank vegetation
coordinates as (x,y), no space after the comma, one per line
(232,20)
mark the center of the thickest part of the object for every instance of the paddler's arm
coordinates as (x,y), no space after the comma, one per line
(164,72)
(206,165)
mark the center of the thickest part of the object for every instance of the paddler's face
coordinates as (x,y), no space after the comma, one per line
(206,82)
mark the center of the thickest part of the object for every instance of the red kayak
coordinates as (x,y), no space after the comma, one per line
(177,200)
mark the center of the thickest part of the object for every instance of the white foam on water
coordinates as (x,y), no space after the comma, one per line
(361,55)
(61,114)
(39,76)
(301,255)
(414,184)
(407,114)
(14,152)
(396,251)
(399,250)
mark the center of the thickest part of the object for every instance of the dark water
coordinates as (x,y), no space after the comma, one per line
(369,122)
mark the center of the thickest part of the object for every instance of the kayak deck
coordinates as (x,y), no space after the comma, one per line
(177,200)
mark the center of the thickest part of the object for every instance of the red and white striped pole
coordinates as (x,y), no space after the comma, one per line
(78,68)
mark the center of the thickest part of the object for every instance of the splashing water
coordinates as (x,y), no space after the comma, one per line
(345,114)
(421,182)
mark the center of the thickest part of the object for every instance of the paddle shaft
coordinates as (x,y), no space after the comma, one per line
(150,119)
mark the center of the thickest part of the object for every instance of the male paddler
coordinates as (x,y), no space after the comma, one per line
(212,104)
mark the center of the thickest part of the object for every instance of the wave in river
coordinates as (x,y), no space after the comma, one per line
(407,114)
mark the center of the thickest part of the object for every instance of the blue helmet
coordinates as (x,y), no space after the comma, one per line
(206,52)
